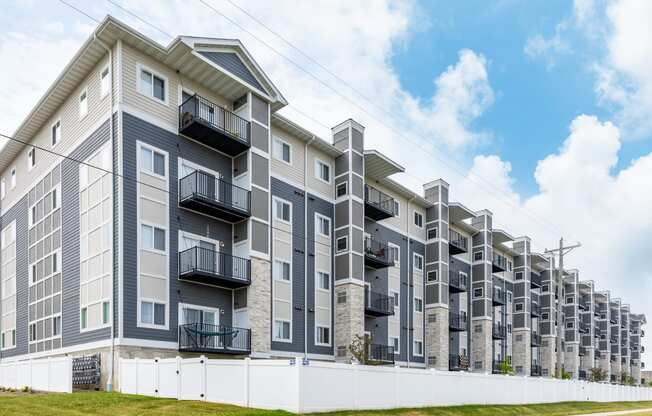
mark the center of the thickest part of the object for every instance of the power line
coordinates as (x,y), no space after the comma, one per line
(497,193)
(135,180)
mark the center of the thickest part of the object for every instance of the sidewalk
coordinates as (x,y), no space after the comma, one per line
(622,412)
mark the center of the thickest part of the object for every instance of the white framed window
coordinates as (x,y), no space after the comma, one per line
(152,84)
(13,178)
(282,210)
(394,342)
(281,330)
(31,159)
(418,348)
(323,335)
(322,171)
(152,312)
(418,305)
(518,307)
(83,103)
(342,244)
(282,150)
(341,189)
(478,255)
(105,81)
(152,237)
(152,161)
(282,270)
(3,188)
(396,298)
(394,253)
(322,225)
(570,325)
(56,133)
(518,276)
(432,276)
(432,233)
(477,292)
(418,219)
(418,262)
(323,281)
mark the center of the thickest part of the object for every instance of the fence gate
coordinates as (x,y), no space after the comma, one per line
(86,372)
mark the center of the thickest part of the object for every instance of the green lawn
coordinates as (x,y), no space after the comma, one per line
(114,404)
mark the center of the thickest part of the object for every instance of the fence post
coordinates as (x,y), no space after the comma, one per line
(246,381)
(178,377)
(157,383)
(31,375)
(203,377)
(356,404)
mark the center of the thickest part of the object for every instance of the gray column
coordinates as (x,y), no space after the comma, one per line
(521,322)
(481,294)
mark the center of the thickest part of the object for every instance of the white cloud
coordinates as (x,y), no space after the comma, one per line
(538,46)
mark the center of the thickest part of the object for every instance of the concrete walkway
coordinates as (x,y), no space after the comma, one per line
(621,412)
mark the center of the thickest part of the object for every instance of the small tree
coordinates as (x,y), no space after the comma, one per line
(565,375)
(597,374)
(623,377)
(360,348)
(506,367)
(630,381)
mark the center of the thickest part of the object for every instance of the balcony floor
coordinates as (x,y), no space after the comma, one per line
(374,262)
(214,208)
(376,213)
(213,279)
(375,312)
(213,137)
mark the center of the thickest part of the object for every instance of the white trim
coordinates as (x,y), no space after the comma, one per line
(274,212)
(31,156)
(84,92)
(282,142)
(274,337)
(317,231)
(139,87)
(344,250)
(397,262)
(106,67)
(330,336)
(414,257)
(58,121)
(213,309)
(141,145)
(317,173)
(414,219)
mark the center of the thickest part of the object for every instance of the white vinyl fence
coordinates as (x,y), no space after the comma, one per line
(48,374)
(323,386)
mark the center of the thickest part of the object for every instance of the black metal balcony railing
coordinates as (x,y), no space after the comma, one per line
(581,351)
(498,297)
(581,306)
(583,327)
(381,353)
(536,339)
(498,331)
(536,310)
(499,263)
(378,304)
(208,266)
(457,362)
(614,339)
(535,370)
(457,282)
(535,280)
(214,126)
(376,254)
(613,358)
(218,198)
(582,375)
(457,243)
(457,321)
(378,205)
(208,338)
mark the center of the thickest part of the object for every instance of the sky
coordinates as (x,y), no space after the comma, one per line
(540,111)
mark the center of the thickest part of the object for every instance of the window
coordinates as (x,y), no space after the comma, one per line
(418,348)
(323,225)
(518,307)
(569,300)
(31,159)
(152,161)
(152,85)
(418,262)
(13,178)
(545,316)
(83,103)
(478,255)
(394,253)
(152,238)
(105,81)
(341,189)
(3,188)
(477,292)
(105,313)
(282,150)
(281,270)
(323,281)
(342,244)
(418,219)
(152,313)
(32,332)
(509,265)
(323,171)
(418,305)
(323,335)
(518,276)
(83,318)
(281,330)
(569,325)
(394,342)
(341,297)
(545,288)
(397,208)
(432,276)
(396,298)
(56,326)
(509,297)
(282,210)
(433,233)
(56,133)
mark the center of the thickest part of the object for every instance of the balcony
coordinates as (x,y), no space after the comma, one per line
(214,126)
(535,370)
(581,306)
(536,340)
(457,243)
(457,282)
(583,328)
(623,360)
(378,304)
(536,310)
(377,205)
(498,331)
(208,338)
(613,358)
(614,340)
(382,354)
(458,362)
(376,254)
(582,375)
(203,265)
(457,321)
(535,280)
(204,193)
(581,351)
(498,297)
(499,263)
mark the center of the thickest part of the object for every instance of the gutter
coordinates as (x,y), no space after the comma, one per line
(305,250)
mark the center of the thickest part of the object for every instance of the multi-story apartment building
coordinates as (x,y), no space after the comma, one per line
(162,206)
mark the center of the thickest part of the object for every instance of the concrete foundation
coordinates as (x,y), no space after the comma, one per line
(349,318)
(259,305)
(521,352)
(481,345)
(437,345)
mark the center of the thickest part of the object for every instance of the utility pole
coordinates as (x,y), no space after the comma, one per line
(562,251)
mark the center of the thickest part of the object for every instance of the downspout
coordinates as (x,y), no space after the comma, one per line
(305,249)
(410,306)
(109,384)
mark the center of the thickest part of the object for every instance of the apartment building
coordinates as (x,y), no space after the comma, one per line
(164,206)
